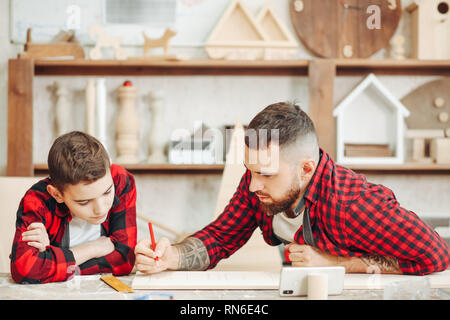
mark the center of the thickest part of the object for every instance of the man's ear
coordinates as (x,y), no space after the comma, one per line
(306,169)
(55,193)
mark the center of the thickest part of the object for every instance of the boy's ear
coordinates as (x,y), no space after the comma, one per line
(55,193)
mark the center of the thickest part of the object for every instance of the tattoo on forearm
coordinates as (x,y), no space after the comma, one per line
(381,264)
(193,254)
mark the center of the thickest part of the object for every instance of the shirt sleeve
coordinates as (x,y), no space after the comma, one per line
(28,264)
(232,228)
(122,231)
(377,224)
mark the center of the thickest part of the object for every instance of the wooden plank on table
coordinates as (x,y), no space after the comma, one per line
(20,117)
(321,83)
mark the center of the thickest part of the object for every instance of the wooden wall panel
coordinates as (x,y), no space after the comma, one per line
(321,83)
(20,117)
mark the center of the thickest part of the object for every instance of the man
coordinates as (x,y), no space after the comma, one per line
(296,194)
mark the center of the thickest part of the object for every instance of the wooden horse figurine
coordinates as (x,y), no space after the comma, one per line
(162,42)
(105,41)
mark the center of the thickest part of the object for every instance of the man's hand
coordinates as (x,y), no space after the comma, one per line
(168,256)
(37,236)
(308,256)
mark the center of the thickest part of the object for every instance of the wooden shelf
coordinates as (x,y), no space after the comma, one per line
(422,168)
(344,67)
(218,168)
(157,168)
(392,67)
(169,68)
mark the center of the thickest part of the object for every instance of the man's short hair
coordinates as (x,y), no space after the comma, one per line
(75,157)
(289,122)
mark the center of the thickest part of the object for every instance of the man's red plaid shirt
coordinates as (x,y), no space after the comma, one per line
(349,217)
(57,262)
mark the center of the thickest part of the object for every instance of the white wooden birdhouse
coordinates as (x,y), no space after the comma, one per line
(370,125)
(430,29)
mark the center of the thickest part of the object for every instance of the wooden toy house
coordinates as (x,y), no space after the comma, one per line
(370,125)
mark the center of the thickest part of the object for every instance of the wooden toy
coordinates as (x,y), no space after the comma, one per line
(127,125)
(103,40)
(162,42)
(345,29)
(370,116)
(155,139)
(63,45)
(430,29)
(240,36)
(440,150)
(429,105)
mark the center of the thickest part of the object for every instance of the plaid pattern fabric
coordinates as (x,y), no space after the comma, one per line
(57,262)
(349,217)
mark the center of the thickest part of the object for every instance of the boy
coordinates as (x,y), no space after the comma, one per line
(82,217)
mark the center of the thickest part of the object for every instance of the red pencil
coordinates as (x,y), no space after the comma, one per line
(150,227)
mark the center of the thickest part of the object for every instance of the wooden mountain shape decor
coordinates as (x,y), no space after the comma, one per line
(240,36)
(274,27)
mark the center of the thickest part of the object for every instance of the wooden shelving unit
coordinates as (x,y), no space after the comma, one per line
(321,74)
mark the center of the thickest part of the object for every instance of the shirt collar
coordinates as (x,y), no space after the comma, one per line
(312,192)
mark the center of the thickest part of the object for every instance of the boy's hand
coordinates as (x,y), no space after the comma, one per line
(145,257)
(37,236)
(104,246)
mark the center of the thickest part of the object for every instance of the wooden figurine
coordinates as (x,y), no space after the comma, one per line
(162,42)
(156,141)
(398,47)
(103,40)
(90,107)
(379,123)
(127,125)
(63,112)
(100,111)
(63,45)
(430,29)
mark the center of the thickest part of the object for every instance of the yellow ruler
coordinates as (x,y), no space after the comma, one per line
(116,284)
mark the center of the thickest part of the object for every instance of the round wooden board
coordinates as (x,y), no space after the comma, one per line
(421,103)
(329,30)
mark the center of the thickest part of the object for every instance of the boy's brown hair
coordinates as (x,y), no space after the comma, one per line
(75,157)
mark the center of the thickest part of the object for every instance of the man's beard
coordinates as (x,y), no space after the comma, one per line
(283,205)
